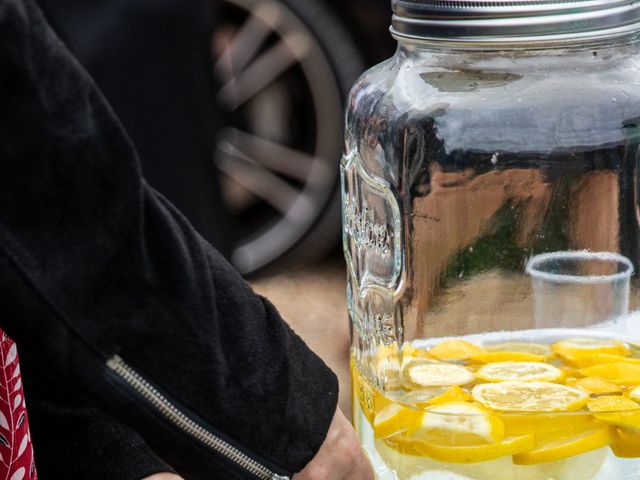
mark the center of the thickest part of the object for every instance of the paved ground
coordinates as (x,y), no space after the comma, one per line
(312,300)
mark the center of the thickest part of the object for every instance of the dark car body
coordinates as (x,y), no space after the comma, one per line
(368,21)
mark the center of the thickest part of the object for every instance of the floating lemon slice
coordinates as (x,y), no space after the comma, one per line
(434,396)
(514,351)
(579,347)
(394,419)
(595,385)
(617,410)
(467,454)
(570,373)
(529,396)
(455,350)
(574,442)
(537,423)
(525,347)
(635,394)
(411,351)
(458,423)
(600,358)
(612,403)
(519,371)
(420,374)
(620,372)
(489,357)
(626,444)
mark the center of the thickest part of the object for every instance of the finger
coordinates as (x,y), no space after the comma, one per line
(163,476)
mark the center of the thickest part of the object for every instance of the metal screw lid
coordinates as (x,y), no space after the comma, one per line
(513,21)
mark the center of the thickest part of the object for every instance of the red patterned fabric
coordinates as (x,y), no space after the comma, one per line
(16,451)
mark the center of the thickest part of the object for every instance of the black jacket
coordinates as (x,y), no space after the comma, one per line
(108,289)
(152,61)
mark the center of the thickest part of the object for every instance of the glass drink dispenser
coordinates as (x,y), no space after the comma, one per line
(491,235)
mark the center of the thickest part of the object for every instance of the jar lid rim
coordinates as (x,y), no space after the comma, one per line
(510,20)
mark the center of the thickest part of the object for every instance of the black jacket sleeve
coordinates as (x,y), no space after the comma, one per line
(95,263)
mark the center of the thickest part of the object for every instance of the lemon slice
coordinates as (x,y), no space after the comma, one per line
(434,396)
(421,374)
(612,403)
(525,347)
(506,356)
(635,394)
(529,396)
(458,423)
(626,444)
(600,358)
(452,350)
(572,443)
(539,423)
(595,385)
(394,419)
(617,410)
(467,454)
(570,373)
(411,351)
(579,347)
(519,371)
(620,373)
(514,351)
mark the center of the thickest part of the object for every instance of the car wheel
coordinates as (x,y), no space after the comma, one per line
(283,69)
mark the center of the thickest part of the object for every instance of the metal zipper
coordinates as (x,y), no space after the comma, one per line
(178,418)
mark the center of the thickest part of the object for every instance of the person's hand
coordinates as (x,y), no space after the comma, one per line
(340,457)
(163,476)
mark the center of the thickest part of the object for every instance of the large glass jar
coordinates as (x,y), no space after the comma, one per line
(491,231)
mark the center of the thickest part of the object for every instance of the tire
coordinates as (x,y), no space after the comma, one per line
(289,212)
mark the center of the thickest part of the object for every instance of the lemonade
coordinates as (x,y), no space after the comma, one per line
(561,407)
